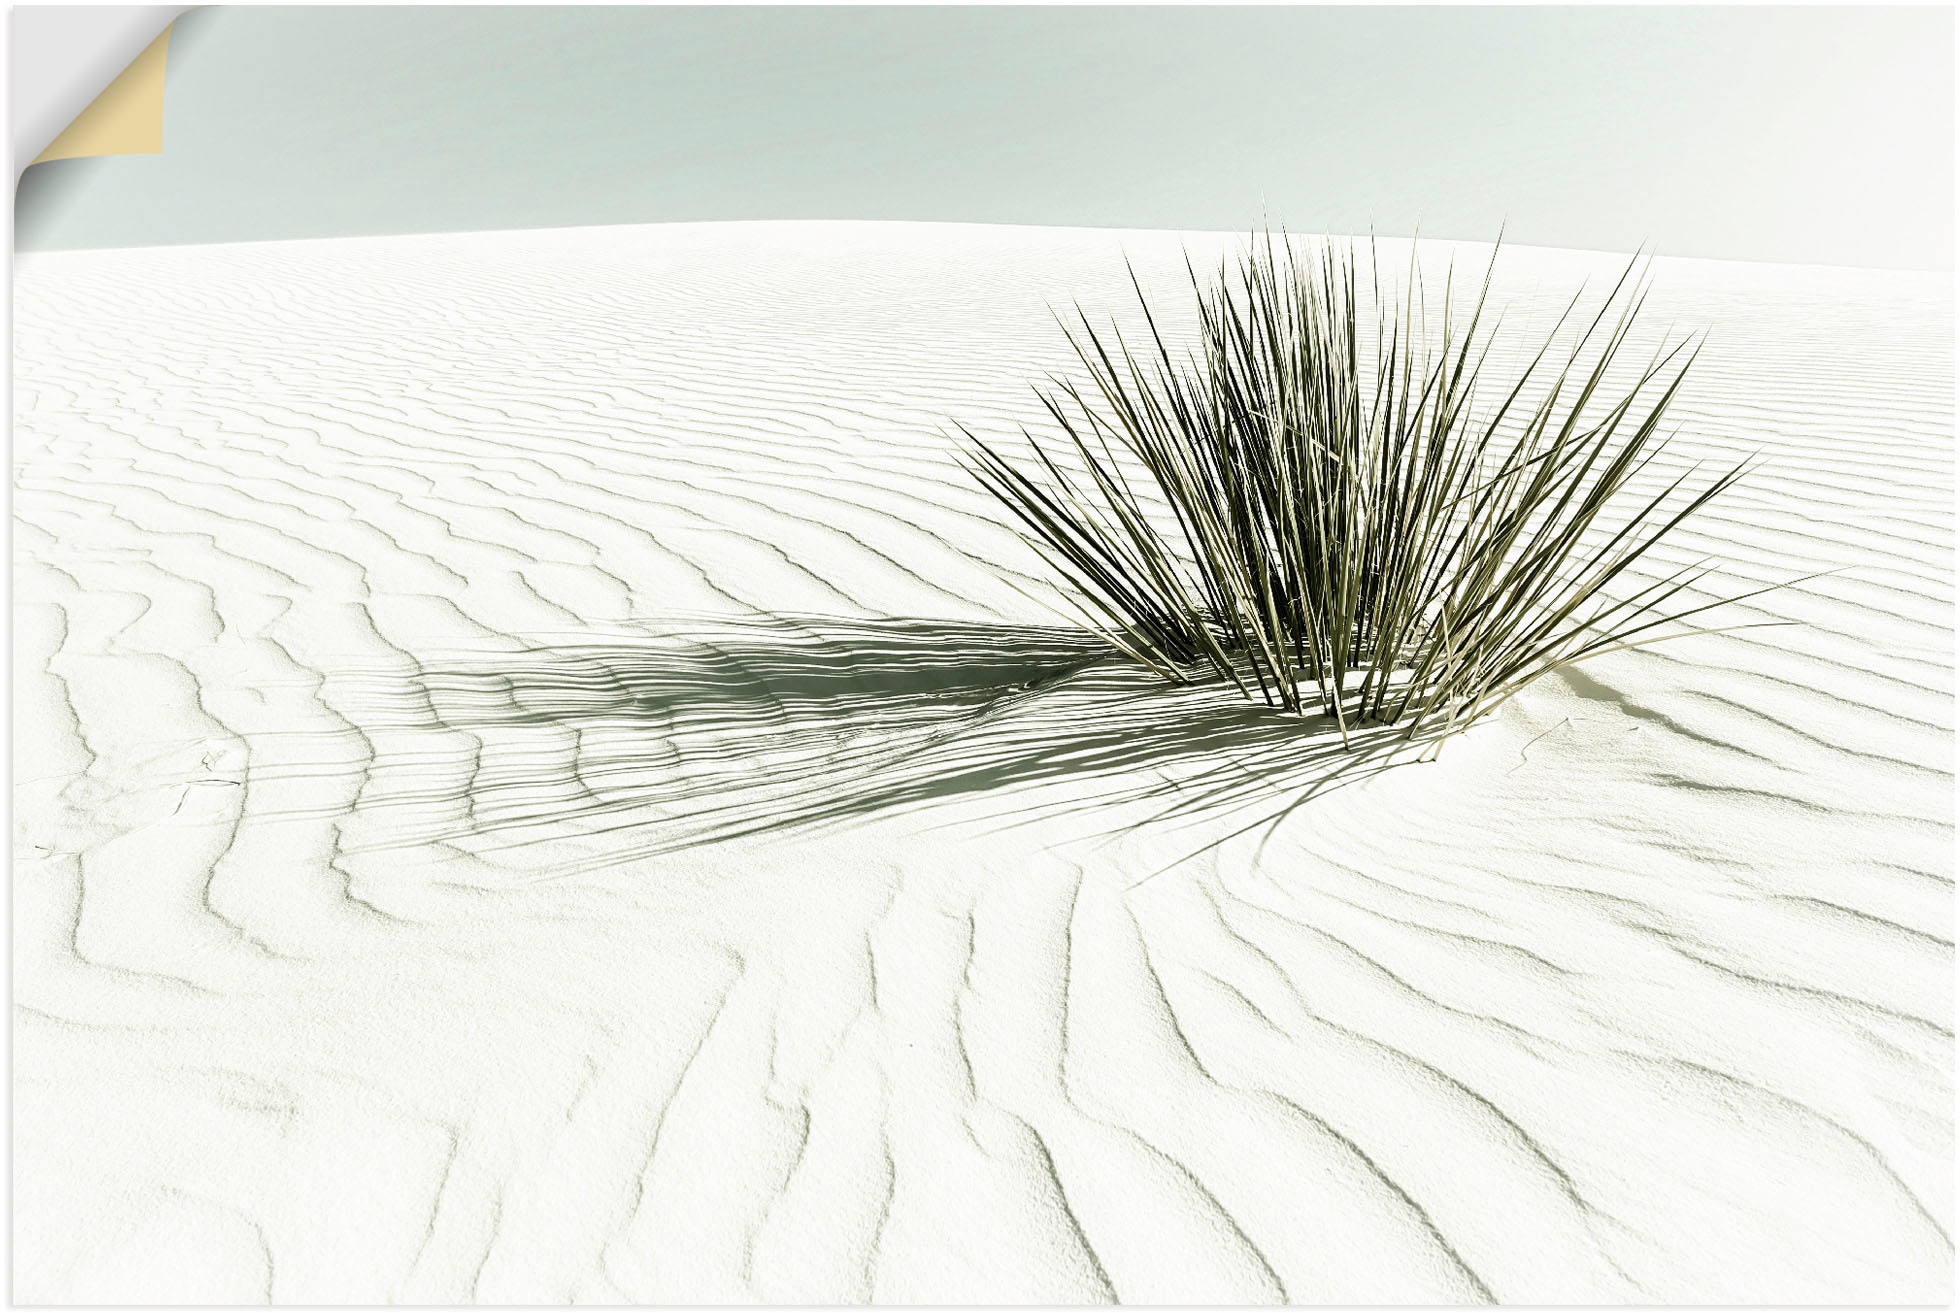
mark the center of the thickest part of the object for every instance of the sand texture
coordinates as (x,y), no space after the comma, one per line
(534,782)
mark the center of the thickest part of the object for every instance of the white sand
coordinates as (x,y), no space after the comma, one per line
(527,788)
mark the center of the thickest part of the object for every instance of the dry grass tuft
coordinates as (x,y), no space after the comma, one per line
(1333,528)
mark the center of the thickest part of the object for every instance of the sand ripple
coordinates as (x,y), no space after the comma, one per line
(532,784)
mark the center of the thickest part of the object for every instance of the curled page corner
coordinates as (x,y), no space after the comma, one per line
(127,118)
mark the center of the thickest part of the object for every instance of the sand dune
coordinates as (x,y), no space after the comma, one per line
(534,781)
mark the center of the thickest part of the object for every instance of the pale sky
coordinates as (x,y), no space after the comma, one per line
(1811,135)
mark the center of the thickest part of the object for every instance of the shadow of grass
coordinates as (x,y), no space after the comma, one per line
(735,729)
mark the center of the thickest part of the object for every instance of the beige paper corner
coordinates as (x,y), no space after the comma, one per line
(126,119)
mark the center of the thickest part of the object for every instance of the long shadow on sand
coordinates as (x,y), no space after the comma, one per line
(744,728)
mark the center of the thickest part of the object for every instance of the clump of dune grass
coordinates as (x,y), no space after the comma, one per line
(1385,535)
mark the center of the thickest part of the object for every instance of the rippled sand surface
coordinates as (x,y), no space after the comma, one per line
(534,781)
